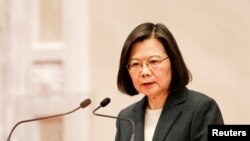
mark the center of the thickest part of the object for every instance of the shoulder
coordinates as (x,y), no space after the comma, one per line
(190,97)
(196,97)
(197,105)
(204,108)
(201,103)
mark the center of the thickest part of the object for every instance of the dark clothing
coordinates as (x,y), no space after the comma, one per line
(185,117)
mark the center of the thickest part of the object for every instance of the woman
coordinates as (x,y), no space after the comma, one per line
(151,64)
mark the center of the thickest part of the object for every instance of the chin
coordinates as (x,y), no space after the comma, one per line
(149,94)
(152,93)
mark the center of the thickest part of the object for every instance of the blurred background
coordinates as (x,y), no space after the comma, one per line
(56,53)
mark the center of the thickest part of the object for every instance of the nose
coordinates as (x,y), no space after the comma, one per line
(145,70)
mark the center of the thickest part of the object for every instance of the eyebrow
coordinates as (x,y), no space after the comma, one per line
(158,56)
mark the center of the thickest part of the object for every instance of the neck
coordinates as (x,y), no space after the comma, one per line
(157,102)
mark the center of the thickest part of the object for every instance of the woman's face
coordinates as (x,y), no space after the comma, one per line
(152,75)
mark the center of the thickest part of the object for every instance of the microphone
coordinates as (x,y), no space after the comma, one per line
(83,104)
(104,103)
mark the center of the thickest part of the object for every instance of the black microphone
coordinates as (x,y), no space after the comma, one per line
(83,104)
(104,103)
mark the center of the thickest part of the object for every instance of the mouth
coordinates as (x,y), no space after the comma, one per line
(148,84)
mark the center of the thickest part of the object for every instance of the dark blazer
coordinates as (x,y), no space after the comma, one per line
(184,117)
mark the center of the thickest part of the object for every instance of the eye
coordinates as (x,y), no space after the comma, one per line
(154,62)
(134,65)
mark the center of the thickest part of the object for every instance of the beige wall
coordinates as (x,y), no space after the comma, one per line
(212,35)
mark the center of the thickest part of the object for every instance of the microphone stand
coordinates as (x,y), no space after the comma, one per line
(129,120)
(83,104)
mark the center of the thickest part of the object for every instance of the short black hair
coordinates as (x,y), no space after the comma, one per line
(181,76)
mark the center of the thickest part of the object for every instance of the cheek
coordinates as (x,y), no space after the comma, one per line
(135,81)
(165,77)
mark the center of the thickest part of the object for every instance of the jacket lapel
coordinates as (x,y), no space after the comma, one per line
(139,113)
(171,111)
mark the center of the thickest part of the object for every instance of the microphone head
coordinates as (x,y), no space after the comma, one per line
(85,103)
(105,102)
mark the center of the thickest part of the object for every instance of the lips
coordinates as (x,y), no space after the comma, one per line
(148,83)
